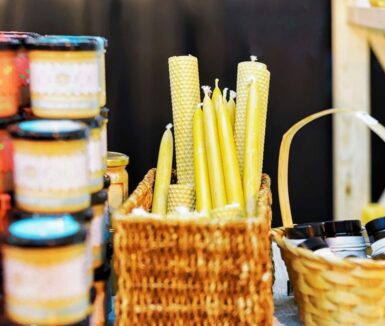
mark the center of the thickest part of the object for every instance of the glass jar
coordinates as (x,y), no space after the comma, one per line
(44,272)
(116,169)
(65,80)
(301,232)
(376,233)
(318,246)
(345,238)
(50,166)
(9,83)
(98,201)
(104,113)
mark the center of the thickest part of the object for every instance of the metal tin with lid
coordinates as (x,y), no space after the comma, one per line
(300,232)
(318,246)
(42,256)
(50,166)
(345,238)
(65,80)
(376,233)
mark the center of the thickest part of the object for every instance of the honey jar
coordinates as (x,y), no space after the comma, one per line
(50,166)
(44,272)
(97,228)
(104,114)
(65,81)
(9,83)
(116,169)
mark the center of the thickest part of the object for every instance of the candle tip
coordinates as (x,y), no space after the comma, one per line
(206,90)
(225,93)
(233,94)
(199,105)
(169,126)
(253,58)
(216,82)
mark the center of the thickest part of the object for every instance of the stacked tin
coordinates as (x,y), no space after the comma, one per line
(55,265)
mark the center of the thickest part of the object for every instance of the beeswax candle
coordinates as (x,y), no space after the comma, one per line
(231,107)
(202,183)
(163,173)
(214,159)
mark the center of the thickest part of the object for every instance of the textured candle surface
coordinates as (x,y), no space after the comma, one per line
(185,95)
(246,70)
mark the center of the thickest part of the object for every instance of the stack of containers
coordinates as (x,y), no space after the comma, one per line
(56,236)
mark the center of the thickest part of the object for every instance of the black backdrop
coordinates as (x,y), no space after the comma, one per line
(291,37)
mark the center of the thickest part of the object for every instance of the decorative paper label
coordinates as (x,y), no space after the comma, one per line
(50,173)
(94,155)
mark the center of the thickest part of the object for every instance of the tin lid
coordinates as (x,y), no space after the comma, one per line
(21,36)
(106,181)
(99,197)
(7,43)
(102,41)
(5,122)
(376,228)
(104,111)
(46,231)
(49,130)
(305,231)
(314,244)
(115,159)
(342,228)
(62,43)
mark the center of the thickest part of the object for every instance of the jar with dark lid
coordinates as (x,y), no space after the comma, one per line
(50,166)
(345,238)
(318,246)
(98,226)
(376,233)
(9,82)
(116,169)
(65,81)
(104,114)
(94,149)
(41,257)
(6,152)
(299,233)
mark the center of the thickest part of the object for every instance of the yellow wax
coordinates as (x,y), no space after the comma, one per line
(233,183)
(252,172)
(371,212)
(217,95)
(163,173)
(214,159)
(231,108)
(202,183)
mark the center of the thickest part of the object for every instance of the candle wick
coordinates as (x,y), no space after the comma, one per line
(253,58)
(225,93)
(206,90)
(169,126)
(216,82)
(233,94)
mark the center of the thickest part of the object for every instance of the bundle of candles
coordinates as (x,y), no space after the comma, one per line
(341,238)
(219,143)
(53,129)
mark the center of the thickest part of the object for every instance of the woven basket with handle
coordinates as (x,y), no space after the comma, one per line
(330,291)
(189,271)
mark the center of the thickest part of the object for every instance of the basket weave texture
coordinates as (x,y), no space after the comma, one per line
(330,290)
(187,272)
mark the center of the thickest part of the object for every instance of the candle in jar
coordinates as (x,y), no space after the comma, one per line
(202,183)
(163,173)
(214,159)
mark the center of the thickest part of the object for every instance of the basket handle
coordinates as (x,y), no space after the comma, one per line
(283,164)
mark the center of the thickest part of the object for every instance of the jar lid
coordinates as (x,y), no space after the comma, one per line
(314,244)
(46,231)
(83,216)
(102,41)
(117,159)
(104,111)
(7,43)
(5,122)
(342,228)
(62,43)
(49,130)
(92,123)
(376,228)
(305,231)
(21,36)
(99,197)
(106,181)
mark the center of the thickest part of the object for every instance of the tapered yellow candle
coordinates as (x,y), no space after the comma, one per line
(231,108)
(233,183)
(202,183)
(252,172)
(163,173)
(217,95)
(214,159)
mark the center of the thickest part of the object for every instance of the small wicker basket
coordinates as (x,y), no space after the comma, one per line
(330,291)
(191,272)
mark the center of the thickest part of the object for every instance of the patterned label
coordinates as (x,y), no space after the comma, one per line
(50,173)
(94,155)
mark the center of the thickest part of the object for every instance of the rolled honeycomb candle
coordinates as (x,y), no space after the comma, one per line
(185,95)
(246,70)
(181,195)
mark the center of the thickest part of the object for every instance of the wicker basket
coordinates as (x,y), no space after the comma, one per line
(332,291)
(184,272)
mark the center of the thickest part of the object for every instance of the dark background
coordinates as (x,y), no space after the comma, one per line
(292,37)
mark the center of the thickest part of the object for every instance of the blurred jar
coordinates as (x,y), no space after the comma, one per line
(301,232)
(376,233)
(104,114)
(97,227)
(65,81)
(50,166)
(9,82)
(116,169)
